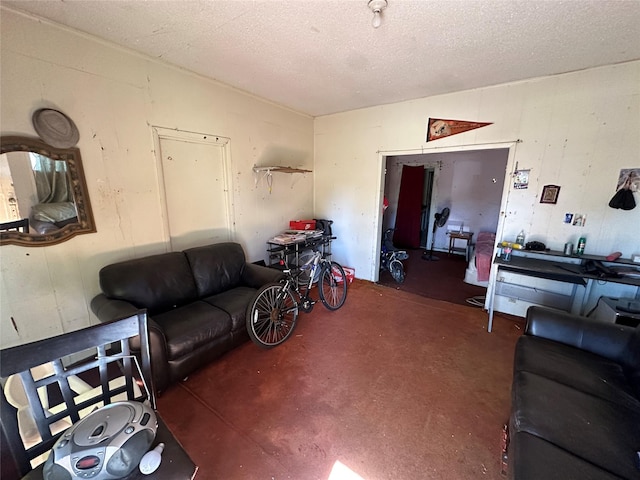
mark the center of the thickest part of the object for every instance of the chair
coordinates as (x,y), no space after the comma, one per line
(16,225)
(50,384)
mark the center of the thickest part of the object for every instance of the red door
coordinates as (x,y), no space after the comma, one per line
(408,217)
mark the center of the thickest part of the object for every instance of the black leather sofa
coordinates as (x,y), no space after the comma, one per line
(575,400)
(196,301)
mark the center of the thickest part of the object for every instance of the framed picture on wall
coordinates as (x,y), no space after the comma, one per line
(550,194)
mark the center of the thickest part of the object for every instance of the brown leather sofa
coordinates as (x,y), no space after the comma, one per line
(575,411)
(196,301)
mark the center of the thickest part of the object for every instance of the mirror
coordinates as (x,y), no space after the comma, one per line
(43,193)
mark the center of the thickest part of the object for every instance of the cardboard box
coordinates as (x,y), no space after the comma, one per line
(302,224)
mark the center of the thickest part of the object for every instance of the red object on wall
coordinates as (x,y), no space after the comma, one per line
(408,218)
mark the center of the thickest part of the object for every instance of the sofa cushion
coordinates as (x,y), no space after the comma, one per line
(234,302)
(533,458)
(601,432)
(576,368)
(216,267)
(157,282)
(192,326)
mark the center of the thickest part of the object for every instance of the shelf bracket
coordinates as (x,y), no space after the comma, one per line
(268,171)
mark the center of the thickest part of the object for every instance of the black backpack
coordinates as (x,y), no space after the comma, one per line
(325,226)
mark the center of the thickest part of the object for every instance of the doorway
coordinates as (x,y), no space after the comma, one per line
(194,187)
(470,183)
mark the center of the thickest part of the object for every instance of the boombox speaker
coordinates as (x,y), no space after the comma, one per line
(107,444)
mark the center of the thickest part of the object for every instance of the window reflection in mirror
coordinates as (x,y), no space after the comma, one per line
(43,197)
(36,188)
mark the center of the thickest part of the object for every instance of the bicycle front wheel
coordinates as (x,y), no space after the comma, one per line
(333,286)
(271,315)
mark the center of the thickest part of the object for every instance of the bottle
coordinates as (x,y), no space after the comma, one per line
(581,244)
(150,461)
(520,238)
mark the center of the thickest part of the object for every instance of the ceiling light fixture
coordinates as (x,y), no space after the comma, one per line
(376,7)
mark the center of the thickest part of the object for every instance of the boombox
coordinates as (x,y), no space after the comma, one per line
(107,444)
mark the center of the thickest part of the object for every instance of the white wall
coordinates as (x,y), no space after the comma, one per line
(466,186)
(114,97)
(576,130)
(23,181)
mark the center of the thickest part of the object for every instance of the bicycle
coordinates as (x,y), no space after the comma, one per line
(272,315)
(390,258)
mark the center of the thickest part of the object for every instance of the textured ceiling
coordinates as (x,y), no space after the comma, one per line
(323,56)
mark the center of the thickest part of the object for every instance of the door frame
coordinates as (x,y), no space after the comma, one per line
(223,143)
(382,162)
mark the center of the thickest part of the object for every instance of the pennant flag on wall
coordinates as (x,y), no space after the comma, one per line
(440,128)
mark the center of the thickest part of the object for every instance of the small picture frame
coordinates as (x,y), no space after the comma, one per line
(550,194)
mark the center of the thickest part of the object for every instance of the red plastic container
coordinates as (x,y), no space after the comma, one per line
(302,224)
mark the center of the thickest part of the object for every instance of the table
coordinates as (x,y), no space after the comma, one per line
(290,248)
(554,269)
(466,236)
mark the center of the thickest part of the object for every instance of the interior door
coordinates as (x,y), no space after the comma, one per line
(429,174)
(195,187)
(408,218)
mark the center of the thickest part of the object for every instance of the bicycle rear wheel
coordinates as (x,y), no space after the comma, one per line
(271,316)
(397,270)
(333,286)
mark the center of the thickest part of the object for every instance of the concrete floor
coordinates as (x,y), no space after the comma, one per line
(391,386)
(441,280)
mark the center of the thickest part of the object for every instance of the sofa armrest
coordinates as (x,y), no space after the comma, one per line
(256,276)
(107,309)
(601,338)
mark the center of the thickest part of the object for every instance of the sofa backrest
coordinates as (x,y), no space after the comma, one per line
(157,282)
(216,268)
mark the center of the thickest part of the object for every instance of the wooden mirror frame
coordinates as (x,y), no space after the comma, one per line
(71,156)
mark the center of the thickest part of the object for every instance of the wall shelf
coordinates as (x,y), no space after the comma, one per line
(280,170)
(268,171)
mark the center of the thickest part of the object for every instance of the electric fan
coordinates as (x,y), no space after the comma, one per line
(439,221)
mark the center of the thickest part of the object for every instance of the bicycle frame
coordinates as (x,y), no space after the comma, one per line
(292,284)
